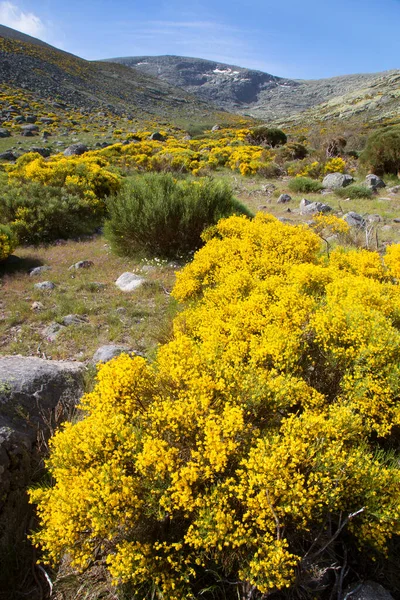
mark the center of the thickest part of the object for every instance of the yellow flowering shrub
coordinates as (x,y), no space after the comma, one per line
(255,443)
(335,165)
(86,175)
(8,242)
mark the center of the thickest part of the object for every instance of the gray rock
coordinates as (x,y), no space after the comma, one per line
(396,220)
(8,155)
(337,180)
(74,320)
(46,120)
(283,198)
(75,150)
(45,152)
(30,129)
(4,133)
(353,219)
(106,353)
(31,118)
(39,270)
(37,306)
(312,208)
(82,264)
(35,396)
(128,282)
(394,190)
(52,332)
(45,285)
(368,590)
(374,218)
(374,182)
(157,137)
(216,128)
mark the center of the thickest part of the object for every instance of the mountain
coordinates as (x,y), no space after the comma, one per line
(54,75)
(373,96)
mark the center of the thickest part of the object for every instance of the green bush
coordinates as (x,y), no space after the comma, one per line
(382,152)
(40,214)
(156,215)
(292,151)
(270,170)
(304,185)
(354,192)
(265,135)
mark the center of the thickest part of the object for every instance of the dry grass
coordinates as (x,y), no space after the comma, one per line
(140,319)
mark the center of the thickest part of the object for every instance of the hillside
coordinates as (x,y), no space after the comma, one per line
(56,76)
(265,96)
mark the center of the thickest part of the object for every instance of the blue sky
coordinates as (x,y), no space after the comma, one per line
(299,39)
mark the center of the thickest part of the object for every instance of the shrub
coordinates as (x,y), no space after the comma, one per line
(265,135)
(335,165)
(382,152)
(292,151)
(156,215)
(270,170)
(39,213)
(354,192)
(305,168)
(252,452)
(8,242)
(304,185)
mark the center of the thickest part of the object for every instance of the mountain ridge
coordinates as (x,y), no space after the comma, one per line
(269,97)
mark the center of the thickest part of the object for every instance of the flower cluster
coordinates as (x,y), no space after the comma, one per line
(256,433)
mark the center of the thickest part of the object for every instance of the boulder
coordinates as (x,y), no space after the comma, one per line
(8,155)
(39,270)
(157,137)
(313,208)
(373,182)
(283,198)
(82,264)
(27,130)
(216,128)
(45,285)
(46,120)
(106,353)
(52,331)
(353,219)
(368,590)
(4,133)
(128,282)
(74,320)
(35,396)
(336,180)
(394,190)
(45,152)
(75,150)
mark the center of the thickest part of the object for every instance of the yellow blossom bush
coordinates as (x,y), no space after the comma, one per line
(335,165)
(8,242)
(254,447)
(86,175)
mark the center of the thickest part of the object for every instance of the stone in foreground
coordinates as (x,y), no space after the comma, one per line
(283,198)
(128,282)
(45,285)
(336,180)
(75,150)
(313,208)
(35,396)
(82,264)
(353,219)
(373,182)
(106,353)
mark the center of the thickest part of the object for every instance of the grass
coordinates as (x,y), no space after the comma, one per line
(139,319)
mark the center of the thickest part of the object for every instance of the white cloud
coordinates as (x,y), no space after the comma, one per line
(12,16)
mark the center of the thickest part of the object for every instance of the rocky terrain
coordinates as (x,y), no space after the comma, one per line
(28,64)
(251,92)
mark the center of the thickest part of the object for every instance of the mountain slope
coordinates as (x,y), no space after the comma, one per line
(373,96)
(55,75)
